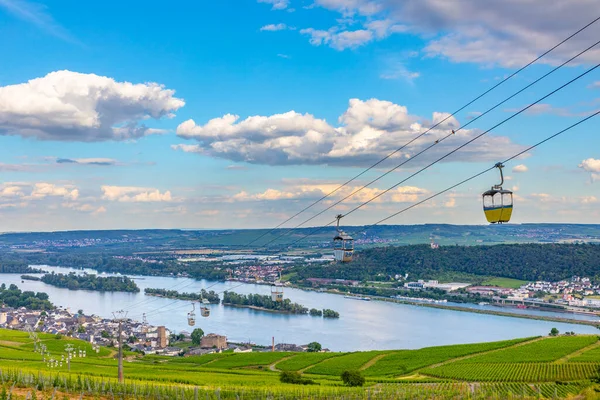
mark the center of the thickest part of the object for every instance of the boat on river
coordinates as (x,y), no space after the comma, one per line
(358,298)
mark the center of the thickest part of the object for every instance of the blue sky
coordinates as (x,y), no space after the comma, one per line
(240,113)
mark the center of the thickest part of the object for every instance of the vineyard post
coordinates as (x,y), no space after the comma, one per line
(120,316)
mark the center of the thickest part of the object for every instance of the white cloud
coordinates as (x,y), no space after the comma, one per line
(385,27)
(315,190)
(85,208)
(589,199)
(277,4)
(338,40)
(399,71)
(591,165)
(509,33)
(87,161)
(70,106)
(351,7)
(9,190)
(132,194)
(43,189)
(518,169)
(368,130)
(274,27)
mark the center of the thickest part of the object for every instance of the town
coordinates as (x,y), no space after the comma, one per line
(136,336)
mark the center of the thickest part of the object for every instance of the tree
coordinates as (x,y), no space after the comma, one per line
(197,335)
(353,378)
(80,311)
(313,347)
(554,332)
(294,377)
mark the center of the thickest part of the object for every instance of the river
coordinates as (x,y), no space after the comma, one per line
(363,325)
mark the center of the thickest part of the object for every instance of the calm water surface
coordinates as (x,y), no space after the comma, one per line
(363,325)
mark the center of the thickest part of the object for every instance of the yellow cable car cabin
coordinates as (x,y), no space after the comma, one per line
(343,244)
(498,202)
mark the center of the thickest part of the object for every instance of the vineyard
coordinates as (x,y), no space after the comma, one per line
(518,369)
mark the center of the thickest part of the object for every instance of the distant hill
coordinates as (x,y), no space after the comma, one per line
(528,262)
(173,239)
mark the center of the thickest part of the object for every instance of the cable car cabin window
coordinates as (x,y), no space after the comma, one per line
(497,205)
(507,199)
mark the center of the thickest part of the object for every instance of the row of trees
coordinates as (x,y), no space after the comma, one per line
(14,297)
(551,262)
(91,282)
(212,297)
(262,301)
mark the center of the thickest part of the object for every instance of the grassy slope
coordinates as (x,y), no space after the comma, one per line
(505,283)
(529,362)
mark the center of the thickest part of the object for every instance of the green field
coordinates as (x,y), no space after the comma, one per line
(520,368)
(505,283)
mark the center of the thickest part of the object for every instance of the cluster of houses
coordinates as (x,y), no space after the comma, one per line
(138,336)
(573,291)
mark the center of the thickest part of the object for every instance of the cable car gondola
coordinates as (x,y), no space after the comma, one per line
(204,309)
(192,316)
(498,202)
(276,293)
(343,244)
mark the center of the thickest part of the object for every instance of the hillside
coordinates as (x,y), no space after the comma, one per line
(523,261)
(546,367)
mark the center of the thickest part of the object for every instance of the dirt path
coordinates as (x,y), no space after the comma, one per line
(272,366)
(372,361)
(483,352)
(576,353)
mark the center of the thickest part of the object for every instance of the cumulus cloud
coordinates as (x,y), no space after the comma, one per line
(591,165)
(28,191)
(367,131)
(71,106)
(274,27)
(43,189)
(132,194)
(11,190)
(518,169)
(277,4)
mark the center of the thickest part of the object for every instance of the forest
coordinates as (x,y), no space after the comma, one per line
(91,282)
(15,298)
(212,297)
(530,262)
(263,301)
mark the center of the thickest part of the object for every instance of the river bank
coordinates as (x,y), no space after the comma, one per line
(595,323)
(362,325)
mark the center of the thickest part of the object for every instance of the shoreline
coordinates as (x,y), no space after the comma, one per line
(455,308)
(261,309)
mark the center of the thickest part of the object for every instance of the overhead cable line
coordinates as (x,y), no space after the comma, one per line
(155,311)
(402,147)
(434,144)
(455,150)
(426,131)
(486,170)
